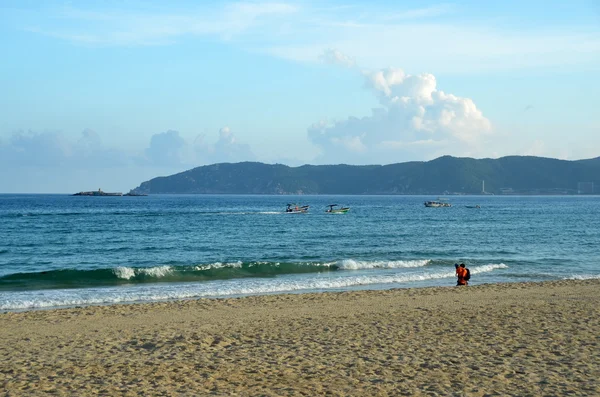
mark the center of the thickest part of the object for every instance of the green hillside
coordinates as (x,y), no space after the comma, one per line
(444,175)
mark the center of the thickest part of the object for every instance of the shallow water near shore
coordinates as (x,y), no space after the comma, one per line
(59,250)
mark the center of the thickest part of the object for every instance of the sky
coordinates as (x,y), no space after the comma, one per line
(108,94)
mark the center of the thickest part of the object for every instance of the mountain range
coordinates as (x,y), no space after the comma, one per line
(444,175)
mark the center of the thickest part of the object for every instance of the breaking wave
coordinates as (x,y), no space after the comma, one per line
(73,278)
(27,300)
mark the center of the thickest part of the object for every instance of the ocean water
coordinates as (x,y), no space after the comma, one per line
(60,250)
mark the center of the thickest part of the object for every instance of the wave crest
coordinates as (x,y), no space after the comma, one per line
(488,268)
(351,264)
(219,265)
(127,273)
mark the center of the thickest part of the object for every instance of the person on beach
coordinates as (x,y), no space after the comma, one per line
(461,273)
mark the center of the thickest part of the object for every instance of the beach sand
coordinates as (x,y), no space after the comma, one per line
(525,339)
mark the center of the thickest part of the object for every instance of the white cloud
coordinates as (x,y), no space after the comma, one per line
(419,41)
(52,149)
(335,57)
(417,38)
(89,140)
(415,120)
(226,136)
(155,25)
(352,144)
(227,149)
(394,145)
(35,148)
(166,149)
(170,149)
(31,161)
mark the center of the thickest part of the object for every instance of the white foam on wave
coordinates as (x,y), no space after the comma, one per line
(127,273)
(326,264)
(158,271)
(219,265)
(351,264)
(583,277)
(148,293)
(487,268)
(124,272)
(28,300)
(238,264)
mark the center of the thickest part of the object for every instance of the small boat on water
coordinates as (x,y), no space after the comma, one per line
(296,209)
(437,203)
(333,210)
(473,206)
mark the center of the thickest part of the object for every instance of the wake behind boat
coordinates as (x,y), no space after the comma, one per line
(296,209)
(333,210)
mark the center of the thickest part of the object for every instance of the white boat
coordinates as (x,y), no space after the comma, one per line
(296,209)
(437,203)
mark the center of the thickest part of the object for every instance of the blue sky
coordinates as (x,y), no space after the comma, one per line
(111,93)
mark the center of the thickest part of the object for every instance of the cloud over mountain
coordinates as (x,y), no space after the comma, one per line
(34,160)
(171,150)
(165,149)
(229,149)
(414,119)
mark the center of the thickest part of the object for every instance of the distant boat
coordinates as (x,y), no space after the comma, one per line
(333,210)
(98,192)
(296,209)
(473,206)
(439,203)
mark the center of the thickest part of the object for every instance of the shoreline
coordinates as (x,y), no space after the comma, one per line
(357,288)
(490,339)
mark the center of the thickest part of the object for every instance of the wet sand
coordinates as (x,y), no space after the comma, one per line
(529,339)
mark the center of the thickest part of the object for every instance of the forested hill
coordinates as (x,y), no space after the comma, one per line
(450,175)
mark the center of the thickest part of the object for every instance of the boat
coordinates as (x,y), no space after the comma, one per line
(473,206)
(437,203)
(333,210)
(296,209)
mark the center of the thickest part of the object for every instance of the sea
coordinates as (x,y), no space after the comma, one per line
(64,251)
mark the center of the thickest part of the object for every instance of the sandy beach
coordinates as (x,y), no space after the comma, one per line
(528,339)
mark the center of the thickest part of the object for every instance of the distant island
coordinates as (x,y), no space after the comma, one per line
(517,175)
(99,192)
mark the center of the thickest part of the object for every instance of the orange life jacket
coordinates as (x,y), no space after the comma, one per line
(461,272)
